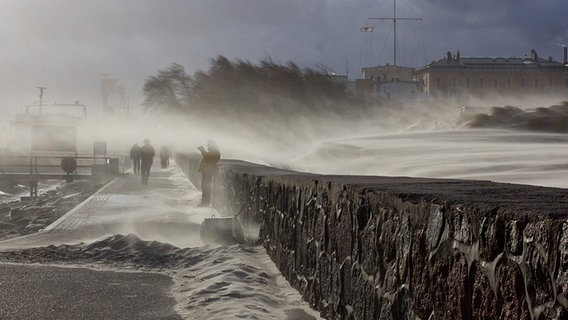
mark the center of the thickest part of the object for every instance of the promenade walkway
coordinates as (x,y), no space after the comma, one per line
(165,210)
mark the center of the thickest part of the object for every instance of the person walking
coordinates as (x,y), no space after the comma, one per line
(208,168)
(146,157)
(164,157)
(135,158)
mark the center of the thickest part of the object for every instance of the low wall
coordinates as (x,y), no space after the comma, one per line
(360,247)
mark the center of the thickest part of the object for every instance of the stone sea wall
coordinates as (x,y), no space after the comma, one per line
(360,247)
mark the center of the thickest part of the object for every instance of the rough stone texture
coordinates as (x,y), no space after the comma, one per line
(420,283)
(484,305)
(492,238)
(539,281)
(562,278)
(512,292)
(450,284)
(514,237)
(360,247)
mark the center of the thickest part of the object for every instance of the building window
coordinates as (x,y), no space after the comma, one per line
(523,84)
(467,84)
(438,83)
(481,84)
(495,83)
(509,83)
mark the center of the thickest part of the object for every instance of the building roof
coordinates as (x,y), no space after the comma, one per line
(494,62)
(388,67)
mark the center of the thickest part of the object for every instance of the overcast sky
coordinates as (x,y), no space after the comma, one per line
(65,45)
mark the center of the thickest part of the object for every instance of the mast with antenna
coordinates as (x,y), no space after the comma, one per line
(41,90)
(394,19)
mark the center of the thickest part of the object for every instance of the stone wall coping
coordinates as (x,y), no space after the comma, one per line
(487,196)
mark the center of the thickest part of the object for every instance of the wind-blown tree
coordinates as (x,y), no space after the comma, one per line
(240,88)
(168,91)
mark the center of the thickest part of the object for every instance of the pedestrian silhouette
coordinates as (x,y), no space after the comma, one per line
(146,157)
(135,158)
(164,157)
(208,168)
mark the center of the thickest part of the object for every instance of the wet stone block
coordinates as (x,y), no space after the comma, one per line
(492,238)
(385,312)
(343,232)
(371,299)
(562,279)
(368,257)
(404,243)
(358,298)
(289,269)
(325,279)
(450,287)
(555,312)
(305,258)
(484,304)
(461,227)
(435,226)
(288,233)
(390,229)
(391,280)
(346,281)
(420,282)
(514,237)
(539,234)
(320,230)
(335,292)
(402,306)
(539,283)
(511,292)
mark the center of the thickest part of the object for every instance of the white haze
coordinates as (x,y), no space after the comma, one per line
(417,141)
(224,282)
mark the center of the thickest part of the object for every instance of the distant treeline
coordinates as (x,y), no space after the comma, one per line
(266,89)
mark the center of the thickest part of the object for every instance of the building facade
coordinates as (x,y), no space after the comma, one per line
(461,78)
(388,73)
(390,82)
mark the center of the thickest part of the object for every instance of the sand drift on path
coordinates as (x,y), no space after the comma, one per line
(210,282)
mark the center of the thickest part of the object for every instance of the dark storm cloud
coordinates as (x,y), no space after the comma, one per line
(66,44)
(496,28)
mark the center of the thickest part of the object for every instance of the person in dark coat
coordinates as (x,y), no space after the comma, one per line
(208,168)
(146,158)
(135,157)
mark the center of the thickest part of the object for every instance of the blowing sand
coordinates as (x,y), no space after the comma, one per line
(208,281)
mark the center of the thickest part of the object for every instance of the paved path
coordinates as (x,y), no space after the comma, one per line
(164,211)
(59,293)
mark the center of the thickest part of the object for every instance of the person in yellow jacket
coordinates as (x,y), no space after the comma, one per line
(208,168)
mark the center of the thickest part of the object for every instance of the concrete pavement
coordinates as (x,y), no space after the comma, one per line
(61,293)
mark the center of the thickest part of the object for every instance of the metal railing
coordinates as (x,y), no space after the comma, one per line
(32,168)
